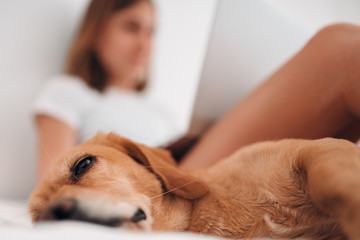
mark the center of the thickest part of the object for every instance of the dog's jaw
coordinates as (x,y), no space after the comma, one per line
(205,215)
(171,213)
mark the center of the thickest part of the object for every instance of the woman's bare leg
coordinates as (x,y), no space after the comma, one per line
(316,94)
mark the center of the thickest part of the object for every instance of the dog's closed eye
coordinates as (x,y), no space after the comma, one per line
(81,167)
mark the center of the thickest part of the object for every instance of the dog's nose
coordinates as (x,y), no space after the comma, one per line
(71,209)
(60,210)
(63,209)
(138,216)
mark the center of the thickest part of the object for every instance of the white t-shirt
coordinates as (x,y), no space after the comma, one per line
(88,111)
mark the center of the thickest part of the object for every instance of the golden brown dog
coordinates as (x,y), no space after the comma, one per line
(287,189)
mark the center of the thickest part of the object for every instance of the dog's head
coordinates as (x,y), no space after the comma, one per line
(112,181)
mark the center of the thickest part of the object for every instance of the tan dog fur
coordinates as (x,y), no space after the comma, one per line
(287,189)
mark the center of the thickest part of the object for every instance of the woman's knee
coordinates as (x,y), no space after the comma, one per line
(339,28)
(341,47)
(340,36)
(336,48)
(343,40)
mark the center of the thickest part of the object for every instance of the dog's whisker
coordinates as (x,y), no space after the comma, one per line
(14,219)
(162,213)
(45,150)
(12,222)
(171,190)
(21,214)
(163,167)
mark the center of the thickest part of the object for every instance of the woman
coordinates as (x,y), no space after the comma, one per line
(105,76)
(316,94)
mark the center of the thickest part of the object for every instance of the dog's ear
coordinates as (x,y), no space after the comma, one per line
(173,178)
(162,164)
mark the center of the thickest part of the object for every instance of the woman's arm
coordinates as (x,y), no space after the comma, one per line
(54,137)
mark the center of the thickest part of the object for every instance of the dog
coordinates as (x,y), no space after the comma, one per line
(279,189)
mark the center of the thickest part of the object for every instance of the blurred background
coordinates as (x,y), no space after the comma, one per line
(208,55)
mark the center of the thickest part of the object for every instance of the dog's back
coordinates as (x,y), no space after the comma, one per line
(262,191)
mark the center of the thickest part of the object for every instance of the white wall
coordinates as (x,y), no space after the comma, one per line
(34,36)
(314,15)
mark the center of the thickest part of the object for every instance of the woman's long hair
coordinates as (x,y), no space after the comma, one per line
(82,60)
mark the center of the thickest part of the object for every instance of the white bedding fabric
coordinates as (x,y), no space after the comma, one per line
(15,224)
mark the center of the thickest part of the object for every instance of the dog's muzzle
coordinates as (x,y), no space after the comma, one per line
(112,215)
